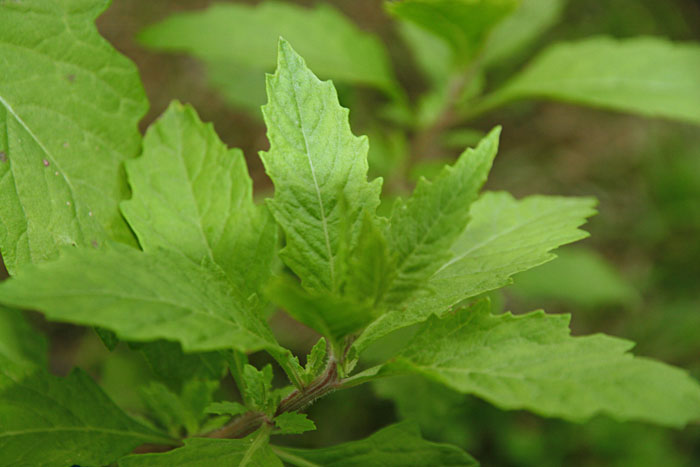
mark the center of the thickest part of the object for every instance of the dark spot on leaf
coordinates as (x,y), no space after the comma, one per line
(70,77)
(46,163)
(65,145)
(94,243)
(3,156)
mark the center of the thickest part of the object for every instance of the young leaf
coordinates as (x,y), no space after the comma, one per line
(396,445)
(503,237)
(316,360)
(204,452)
(245,37)
(465,25)
(20,345)
(648,76)
(291,423)
(176,412)
(226,408)
(71,419)
(192,195)
(423,228)
(258,388)
(532,362)
(316,163)
(142,297)
(69,108)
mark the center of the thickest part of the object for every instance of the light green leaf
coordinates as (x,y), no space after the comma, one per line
(648,76)
(292,423)
(519,30)
(332,316)
(504,236)
(532,362)
(226,408)
(396,445)
(464,24)
(176,412)
(205,452)
(244,38)
(579,276)
(192,195)
(141,297)
(51,421)
(258,387)
(317,165)
(424,227)
(20,344)
(316,360)
(69,108)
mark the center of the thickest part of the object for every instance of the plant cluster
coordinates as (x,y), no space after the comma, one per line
(158,244)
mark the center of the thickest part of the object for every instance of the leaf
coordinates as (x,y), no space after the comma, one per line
(176,412)
(332,316)
(226,408)
(316,164)
(171,365)
(505,236)
(423,228)
(192,195)
(51,421)
(243,38)
(519,30)
(69,108)
(532,362)
(205,452)
(258,388)
(316,361)
(648,76)
(291,423)
(20,345)
(464,24)
(579,276)
(395,445)
(141,297)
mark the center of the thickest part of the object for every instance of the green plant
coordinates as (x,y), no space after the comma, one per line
(186,269)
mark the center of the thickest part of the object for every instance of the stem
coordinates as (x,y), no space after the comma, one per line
(249,422)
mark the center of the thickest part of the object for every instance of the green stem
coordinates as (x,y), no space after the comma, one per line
(291,458)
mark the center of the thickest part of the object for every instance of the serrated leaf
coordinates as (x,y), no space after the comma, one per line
(205,452)
(69,108)
(51,421)
(20,345)
(226,408)
(257,386)
(464,24)
(520,29)
(532,362)
(647,76)
(316,164)
(193,195)
(396,445)
(142,297)
(178,412)
(423,228)
(504,236)
(239,40)
(292,423)
(316,360)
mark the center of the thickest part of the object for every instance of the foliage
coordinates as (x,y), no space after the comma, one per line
(185,270)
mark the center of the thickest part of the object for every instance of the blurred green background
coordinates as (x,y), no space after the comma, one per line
(636,277)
